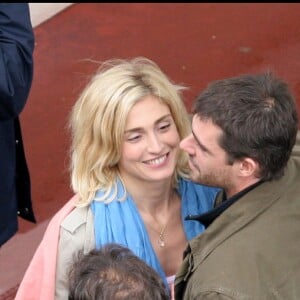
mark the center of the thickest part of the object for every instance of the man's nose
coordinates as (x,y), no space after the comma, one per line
(186,144)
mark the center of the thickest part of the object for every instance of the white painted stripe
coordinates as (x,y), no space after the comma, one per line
(40,12)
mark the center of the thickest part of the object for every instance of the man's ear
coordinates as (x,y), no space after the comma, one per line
(248,167)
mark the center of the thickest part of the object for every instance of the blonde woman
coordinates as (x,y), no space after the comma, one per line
(128,174)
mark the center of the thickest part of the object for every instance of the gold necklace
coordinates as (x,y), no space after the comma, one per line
(161,239)
(161,234)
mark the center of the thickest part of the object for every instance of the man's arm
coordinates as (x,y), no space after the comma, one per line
(16,58)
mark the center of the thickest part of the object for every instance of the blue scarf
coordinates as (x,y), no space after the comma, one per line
(120,221)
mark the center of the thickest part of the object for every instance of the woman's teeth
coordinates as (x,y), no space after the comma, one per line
(157,161)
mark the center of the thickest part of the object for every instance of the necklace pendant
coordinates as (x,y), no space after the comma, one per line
(161,243)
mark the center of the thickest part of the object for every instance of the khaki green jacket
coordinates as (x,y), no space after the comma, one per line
(252,250)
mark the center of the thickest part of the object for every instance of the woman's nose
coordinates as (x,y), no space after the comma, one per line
(154,144)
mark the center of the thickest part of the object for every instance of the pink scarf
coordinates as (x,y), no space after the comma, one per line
(39,279)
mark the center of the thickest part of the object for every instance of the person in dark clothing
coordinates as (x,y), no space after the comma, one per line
(16,74)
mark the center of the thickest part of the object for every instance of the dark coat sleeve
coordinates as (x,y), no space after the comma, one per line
(16,62)
(16,74)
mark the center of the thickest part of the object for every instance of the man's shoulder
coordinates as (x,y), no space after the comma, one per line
(296,149)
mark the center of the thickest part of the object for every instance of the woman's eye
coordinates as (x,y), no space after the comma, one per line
(164,127)
(133,138)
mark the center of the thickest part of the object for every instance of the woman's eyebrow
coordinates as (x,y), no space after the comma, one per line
(156,122)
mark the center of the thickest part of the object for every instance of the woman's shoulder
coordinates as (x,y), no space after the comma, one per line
(77,229)
(77,218)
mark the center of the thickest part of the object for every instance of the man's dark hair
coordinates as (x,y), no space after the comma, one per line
(114,273)
(258,116)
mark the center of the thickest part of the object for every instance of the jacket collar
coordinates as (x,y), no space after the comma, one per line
(235,217)
(221,204)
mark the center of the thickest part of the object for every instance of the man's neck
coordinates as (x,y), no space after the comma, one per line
(240,187)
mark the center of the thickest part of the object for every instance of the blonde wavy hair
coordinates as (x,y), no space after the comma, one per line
(97,122)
